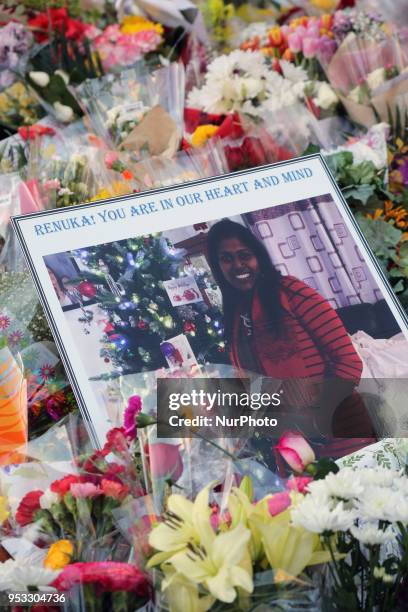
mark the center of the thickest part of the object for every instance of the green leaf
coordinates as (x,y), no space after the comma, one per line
(361,193)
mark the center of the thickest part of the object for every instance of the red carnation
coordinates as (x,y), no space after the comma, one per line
(32,131)
(231,127)
(28,507)
(107,575)
(63,485)
(115,441)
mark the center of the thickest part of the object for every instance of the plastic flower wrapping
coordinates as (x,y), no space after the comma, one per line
(101,99)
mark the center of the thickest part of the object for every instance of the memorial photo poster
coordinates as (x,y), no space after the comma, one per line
(147,282)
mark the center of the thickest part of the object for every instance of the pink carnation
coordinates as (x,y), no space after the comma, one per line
(129,420)
(85,489)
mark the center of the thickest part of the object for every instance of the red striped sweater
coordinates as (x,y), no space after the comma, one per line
(314,345)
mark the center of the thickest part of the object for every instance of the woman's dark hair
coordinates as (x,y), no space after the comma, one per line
(267,284)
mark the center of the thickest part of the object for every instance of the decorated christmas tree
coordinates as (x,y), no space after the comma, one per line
(128,281)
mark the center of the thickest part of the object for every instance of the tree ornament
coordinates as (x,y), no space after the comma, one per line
(189,327)
(87,289)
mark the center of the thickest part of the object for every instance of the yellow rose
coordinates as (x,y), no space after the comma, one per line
(59,555)
(202,133)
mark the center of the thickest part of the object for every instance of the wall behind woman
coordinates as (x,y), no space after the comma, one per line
(309,239)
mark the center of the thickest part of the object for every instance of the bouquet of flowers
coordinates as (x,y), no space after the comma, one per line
(369,72)
(137,111)
(122,45)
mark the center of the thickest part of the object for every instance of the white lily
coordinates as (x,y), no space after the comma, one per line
(182,594)
(218,567)
(184,522)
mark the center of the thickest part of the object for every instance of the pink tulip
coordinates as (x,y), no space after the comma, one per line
(298,483)
(278,503)
(311,46)
(295,42)
(295,450)
(165,461)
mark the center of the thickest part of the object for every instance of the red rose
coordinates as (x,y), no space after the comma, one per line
(28,507)
(63,485)
(107,575)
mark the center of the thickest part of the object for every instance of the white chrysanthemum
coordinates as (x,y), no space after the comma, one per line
(48,498)
(377,502)
(344,485)
(396,508)
(370,535)
(319,515)
(232,82)
(293,73)
(18,576)
(381,477)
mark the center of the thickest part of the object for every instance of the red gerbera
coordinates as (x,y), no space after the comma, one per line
(107,575)
(27,507)
(63,485)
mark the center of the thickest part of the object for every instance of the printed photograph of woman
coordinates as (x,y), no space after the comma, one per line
(283,329)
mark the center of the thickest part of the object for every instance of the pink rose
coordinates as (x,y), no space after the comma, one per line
(298,483)
(295,42)
(295,450)
(85,489)
(165,461)
(278,503)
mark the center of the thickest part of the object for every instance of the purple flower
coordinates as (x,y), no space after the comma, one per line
(327,48)
(129,420)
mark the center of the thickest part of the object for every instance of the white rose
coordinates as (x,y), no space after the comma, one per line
(39,78)
(64,76)
(326,97)
(376,78)
(64,113)
(47,499)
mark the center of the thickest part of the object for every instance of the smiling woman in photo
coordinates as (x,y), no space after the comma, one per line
(283,329)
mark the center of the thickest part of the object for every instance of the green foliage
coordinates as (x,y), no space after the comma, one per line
(358,182)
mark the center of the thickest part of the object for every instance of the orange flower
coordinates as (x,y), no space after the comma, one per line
(288,55)
(275,36)
(127,175)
